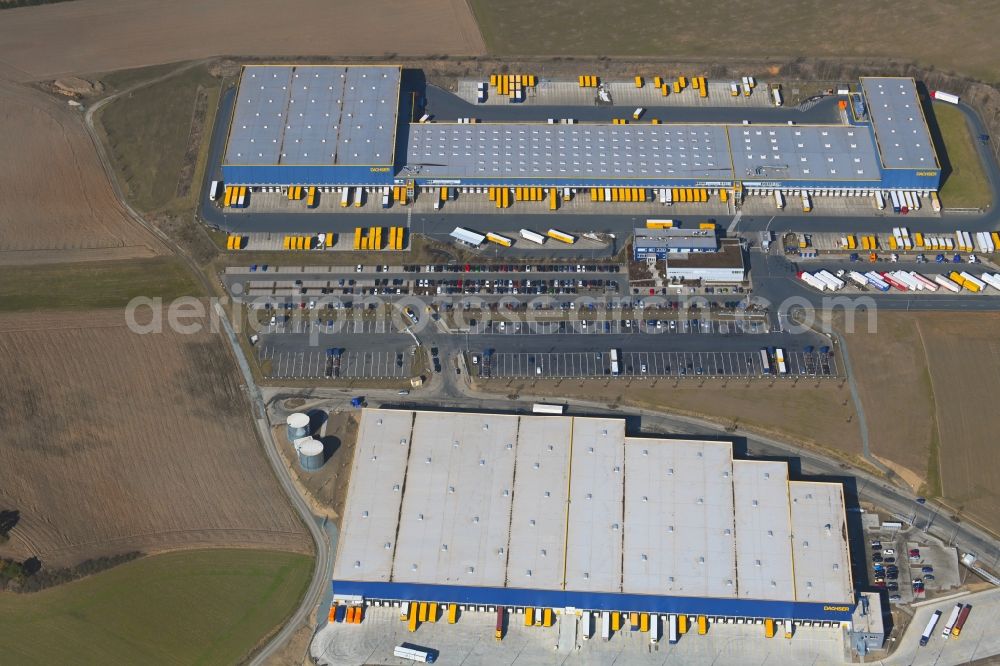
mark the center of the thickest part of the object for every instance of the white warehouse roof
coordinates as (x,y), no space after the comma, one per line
(571,503)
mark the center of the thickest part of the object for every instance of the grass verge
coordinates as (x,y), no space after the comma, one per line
(195,607)
(965,184)
(104,284)
(157,137)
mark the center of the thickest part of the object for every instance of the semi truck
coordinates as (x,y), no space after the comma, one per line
(812,281)
(672,629)
(950,624)
(532,236)
(414,653)
(499,629)
(779,199)
(992,279)
(929,629)
(585,625)
(606,626)
(960,622)
(779,361)
(948,284)
(945,97)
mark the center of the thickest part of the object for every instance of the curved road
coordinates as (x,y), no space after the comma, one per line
(323,569)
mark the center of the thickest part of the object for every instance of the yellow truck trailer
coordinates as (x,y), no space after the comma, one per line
(702,625)
(638,82)
(452,613)
(769,628)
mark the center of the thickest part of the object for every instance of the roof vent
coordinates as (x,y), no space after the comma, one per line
(528,573)
(645,452)
(645,558)
(586,575)
(471,570)
(670,529)
(451,490)
(590,495)
(544,552)
(548,494)
(590,450)
(645,499)
(388,545)
(357,564)
(420,516)
(482,462)
(427,461)
(364,514)
(701,560)
(395,487)
(532,522)
(756,563)
(444,547)
(535,466)
(475,520)
(614,527)
(379,422)
(413,567)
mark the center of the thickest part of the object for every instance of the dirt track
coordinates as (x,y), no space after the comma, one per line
(55,195)
(115,441)
(106,35)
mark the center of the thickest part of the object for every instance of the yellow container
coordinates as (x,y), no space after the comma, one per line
(452,613)
(529,617)
(638,82)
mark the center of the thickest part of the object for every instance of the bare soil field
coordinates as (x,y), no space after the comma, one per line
(116,442)
(106,35)
(956,35)
(890,370)
(963,355)
(816,413)
(57,201)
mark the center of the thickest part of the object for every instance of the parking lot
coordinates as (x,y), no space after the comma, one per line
(341,364)
(618,326)
(908,568)
(561,365)
(333,326)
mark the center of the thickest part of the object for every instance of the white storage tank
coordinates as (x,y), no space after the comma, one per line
(297,426)
(310,452)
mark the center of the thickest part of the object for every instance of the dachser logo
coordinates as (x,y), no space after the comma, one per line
(380,169)
(841,609)
(927,173)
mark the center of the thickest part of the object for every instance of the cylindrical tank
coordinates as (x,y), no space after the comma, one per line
(298,426)
(310,453)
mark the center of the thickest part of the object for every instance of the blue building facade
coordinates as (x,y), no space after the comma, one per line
(597,601)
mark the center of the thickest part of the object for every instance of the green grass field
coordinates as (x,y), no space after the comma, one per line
(965,186)
(957,35)
(105,284)
(197,607)
(148,134)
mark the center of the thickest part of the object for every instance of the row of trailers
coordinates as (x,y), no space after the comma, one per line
(905,281)
(476,239)
(415,613)
(952,627)
(370,238)
(900,201)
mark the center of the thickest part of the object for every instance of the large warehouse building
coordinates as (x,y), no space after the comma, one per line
(569,512)
(344,126)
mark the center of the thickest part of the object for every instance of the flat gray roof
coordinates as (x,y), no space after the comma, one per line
(904,141)
(314,115)
(454,525)
(685,239)
(803,152)
(596,519)
(764,546)
(680,539)
(368,530)
(538,520)
(537,150)
(552,503)
(819,541)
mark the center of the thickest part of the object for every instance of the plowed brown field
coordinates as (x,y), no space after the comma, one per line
(106,35)
(57,202)
(114,441)
(963,354)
